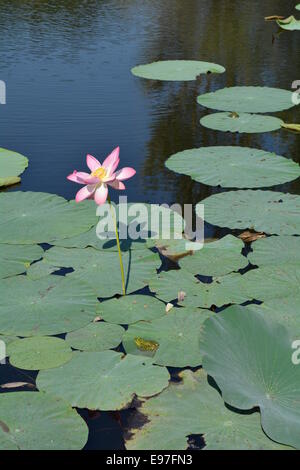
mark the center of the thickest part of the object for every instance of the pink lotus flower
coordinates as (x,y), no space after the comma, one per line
(101,175)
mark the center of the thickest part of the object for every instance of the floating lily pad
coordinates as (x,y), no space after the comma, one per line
(248,99)
(48,306)
(177,335)
(176,70)
(263,211)
(190,407)
(12,164)
(104,380)
(282,310)
(290,23)
(15,259)
(241,123)
(130,309)
(216,258)
(271,282)
(36,421)
(40,352)
(28,217)
(40,270)
(97,336)
(234,167)
(222,291)
(101,270)
(250,359)
(275,251)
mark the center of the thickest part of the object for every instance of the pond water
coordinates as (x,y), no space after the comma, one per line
(67,66)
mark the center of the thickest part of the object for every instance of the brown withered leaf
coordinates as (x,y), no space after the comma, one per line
(251,236)
(274,18)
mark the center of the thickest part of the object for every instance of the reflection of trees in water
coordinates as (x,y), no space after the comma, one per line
(231,34)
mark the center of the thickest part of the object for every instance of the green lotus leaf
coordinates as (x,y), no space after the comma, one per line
(263,211)
(29,217)
(15,259)
(48,306)
(275,251)
(40,352)
(177,335)
(297,6)
(97,336)
(234,167)
(175,249)
(223,290)
(216,258)
(39,270)
(176,70)
(250,359)
(104,380)
(36,421)
(283,310)
(12,164)
(101,270)
(290,23)
(271,282)
(130,309)
(241,123)
(248,99)
(191,407)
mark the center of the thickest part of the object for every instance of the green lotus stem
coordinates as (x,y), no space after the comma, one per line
(119,247)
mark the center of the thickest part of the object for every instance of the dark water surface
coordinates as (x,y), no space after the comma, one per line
(70,92)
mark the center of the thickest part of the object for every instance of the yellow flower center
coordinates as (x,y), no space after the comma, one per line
(100,173)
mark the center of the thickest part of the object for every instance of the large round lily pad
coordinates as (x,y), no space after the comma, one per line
(182,285)
(40,352)
(48,306)
(177,336)
(29,217)
(234,167)
(263,211)
(271,282)
(97,336)
(104,380)
(193,407)
(130,309)
(283,310)
(216,258)
(16,259)
(241,123)
(248,99)
(176,70)
(250,358)
(37,421)
(275,251)
(101,270)
(12,164)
